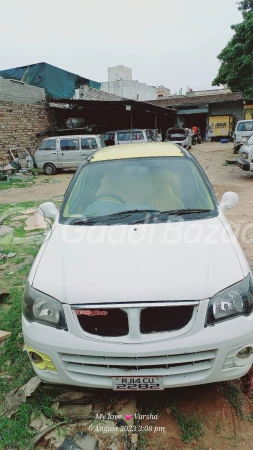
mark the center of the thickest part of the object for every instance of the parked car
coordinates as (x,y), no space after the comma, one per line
(142,283)
(245,161)
(65,152)
(127,137)
(154,135)
(180,136)
(243,130)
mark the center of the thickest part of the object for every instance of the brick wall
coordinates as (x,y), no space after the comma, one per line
(15,91)
(19,124)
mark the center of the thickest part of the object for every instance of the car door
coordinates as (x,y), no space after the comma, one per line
(70,152)
(88,146)
(47,153)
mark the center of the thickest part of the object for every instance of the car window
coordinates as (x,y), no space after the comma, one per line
(69,144)
(49,144)
(245,126)
(121,137)
(137,136)
(108,136)
(87,144)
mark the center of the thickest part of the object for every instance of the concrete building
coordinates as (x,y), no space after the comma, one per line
(162,92)
(120,83)
(119,73)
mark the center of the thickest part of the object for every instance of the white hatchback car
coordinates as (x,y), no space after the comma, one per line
(141,283)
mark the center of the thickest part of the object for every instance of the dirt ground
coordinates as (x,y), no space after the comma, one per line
(225,417)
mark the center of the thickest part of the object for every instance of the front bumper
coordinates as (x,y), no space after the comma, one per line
(243,164)
(202,355)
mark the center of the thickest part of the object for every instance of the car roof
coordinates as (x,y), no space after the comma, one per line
(74,136)
(147,150)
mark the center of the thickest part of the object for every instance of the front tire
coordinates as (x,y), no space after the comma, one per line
(236,150)
(49,169)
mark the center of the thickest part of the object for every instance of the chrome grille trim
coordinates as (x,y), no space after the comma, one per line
(133,305)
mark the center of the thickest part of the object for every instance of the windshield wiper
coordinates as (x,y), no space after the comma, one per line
(120,215)
(175,213)
(181,212)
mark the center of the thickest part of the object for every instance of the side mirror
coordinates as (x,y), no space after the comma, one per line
(229,200)
(48,209)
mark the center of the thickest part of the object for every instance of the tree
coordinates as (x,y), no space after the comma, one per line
(236,68)
(245,5)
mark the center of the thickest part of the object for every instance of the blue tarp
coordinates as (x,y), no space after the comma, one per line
(58,83)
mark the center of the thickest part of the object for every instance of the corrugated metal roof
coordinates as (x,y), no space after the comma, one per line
(88,93)
(197,100)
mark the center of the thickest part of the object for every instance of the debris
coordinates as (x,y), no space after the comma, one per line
(4,335)
(5,229)
(74,397)
(39,436)
(40,423)
(72,410)
(17,396)
(134,438)
(3,256)
(35,222)
(82,440)
(231,161)
(127,411)
(11,255)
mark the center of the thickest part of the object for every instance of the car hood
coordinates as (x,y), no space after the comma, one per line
(133,263)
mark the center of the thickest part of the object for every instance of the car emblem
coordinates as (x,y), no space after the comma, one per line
(91,312)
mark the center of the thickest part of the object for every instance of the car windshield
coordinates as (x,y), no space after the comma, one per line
(250,140)
(245,126)
(138,185)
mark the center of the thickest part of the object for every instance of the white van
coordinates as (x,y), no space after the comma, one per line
(134,136)
(66,152)
(243,131)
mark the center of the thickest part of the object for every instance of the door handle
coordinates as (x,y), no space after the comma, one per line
(62,154)
(54,153)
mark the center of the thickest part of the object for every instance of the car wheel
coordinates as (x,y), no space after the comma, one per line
(236,150)
(49,169)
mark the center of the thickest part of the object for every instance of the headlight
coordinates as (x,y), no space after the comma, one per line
(237,300)
(39,307)
(245,155)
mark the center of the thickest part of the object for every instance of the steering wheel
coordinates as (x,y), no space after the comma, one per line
(121,200)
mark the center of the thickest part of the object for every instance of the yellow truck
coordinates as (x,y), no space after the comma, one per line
(220,127)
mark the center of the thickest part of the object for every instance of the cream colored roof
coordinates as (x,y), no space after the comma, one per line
(149,150)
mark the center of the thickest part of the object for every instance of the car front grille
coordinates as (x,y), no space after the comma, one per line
(116,322)
(166,365)
(167,318)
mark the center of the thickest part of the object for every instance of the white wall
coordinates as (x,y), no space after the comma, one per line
(119,73)
(130,89)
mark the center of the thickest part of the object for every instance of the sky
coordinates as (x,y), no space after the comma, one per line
(174,43)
